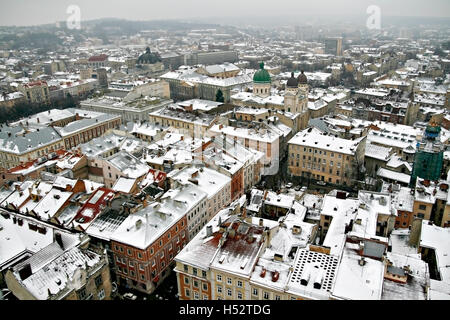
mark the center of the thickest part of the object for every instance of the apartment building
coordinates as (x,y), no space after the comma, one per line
(17,146)
(266,141)
(184,122)
(214,183)
(35,92)
(146,242)
(323,157)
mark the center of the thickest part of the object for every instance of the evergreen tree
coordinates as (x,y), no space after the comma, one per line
(219,96)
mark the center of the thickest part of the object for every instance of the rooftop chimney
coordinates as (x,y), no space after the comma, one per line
(209,231)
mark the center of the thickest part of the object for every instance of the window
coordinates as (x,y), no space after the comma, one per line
(82,294)
(196,295)
(239,284)
(186,268)
(229,281)
(239,295)
(204,274)
(186,280)
(422,207)
(194,271)
(219,278)
(187,293)
(229,292)
(101,294)
(205,286)
(139,255)
(255,292)
(277,297)
(219,289)
(195,283)
(266,295)
(98,280)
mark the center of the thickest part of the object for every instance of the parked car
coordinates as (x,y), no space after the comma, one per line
(129,296)
(321,183)
(289,185)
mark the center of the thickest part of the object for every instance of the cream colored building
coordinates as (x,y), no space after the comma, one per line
(325,158)
(35,92)
(18,147)
(184,122)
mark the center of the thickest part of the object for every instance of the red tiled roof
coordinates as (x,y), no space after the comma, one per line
(26,165)
(101,57)
(96,207)
(158,176)
(35,83)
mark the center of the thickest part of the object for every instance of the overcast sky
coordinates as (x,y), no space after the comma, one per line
(32,12)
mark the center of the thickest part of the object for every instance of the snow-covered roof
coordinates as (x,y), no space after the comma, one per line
(279,200)
(207,179)
(265,135)
(17,238)
(200,104)
(356,282)
(342,211)
(394,175)
(30,141)
(155,219)
(377,152)
(437,238)
(59,272)
(128,165)
(19,196)
(194,77)
(396,161)
(124,184)
(51,204)
(310,269)
(313,137)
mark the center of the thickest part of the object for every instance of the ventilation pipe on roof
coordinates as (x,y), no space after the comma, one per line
(305,277)
(362,261)
(319,279)
(209,231)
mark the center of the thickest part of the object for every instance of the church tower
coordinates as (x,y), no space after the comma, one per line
(261,82)
(303,83)
(291,95)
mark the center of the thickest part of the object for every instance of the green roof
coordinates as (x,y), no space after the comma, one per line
(261,76)
(433,129)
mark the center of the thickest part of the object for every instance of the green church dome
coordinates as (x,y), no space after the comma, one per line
(261,76)
(149,57)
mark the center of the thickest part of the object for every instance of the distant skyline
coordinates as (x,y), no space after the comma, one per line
(32,12)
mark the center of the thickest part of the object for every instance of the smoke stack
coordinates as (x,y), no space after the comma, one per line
(58,239)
